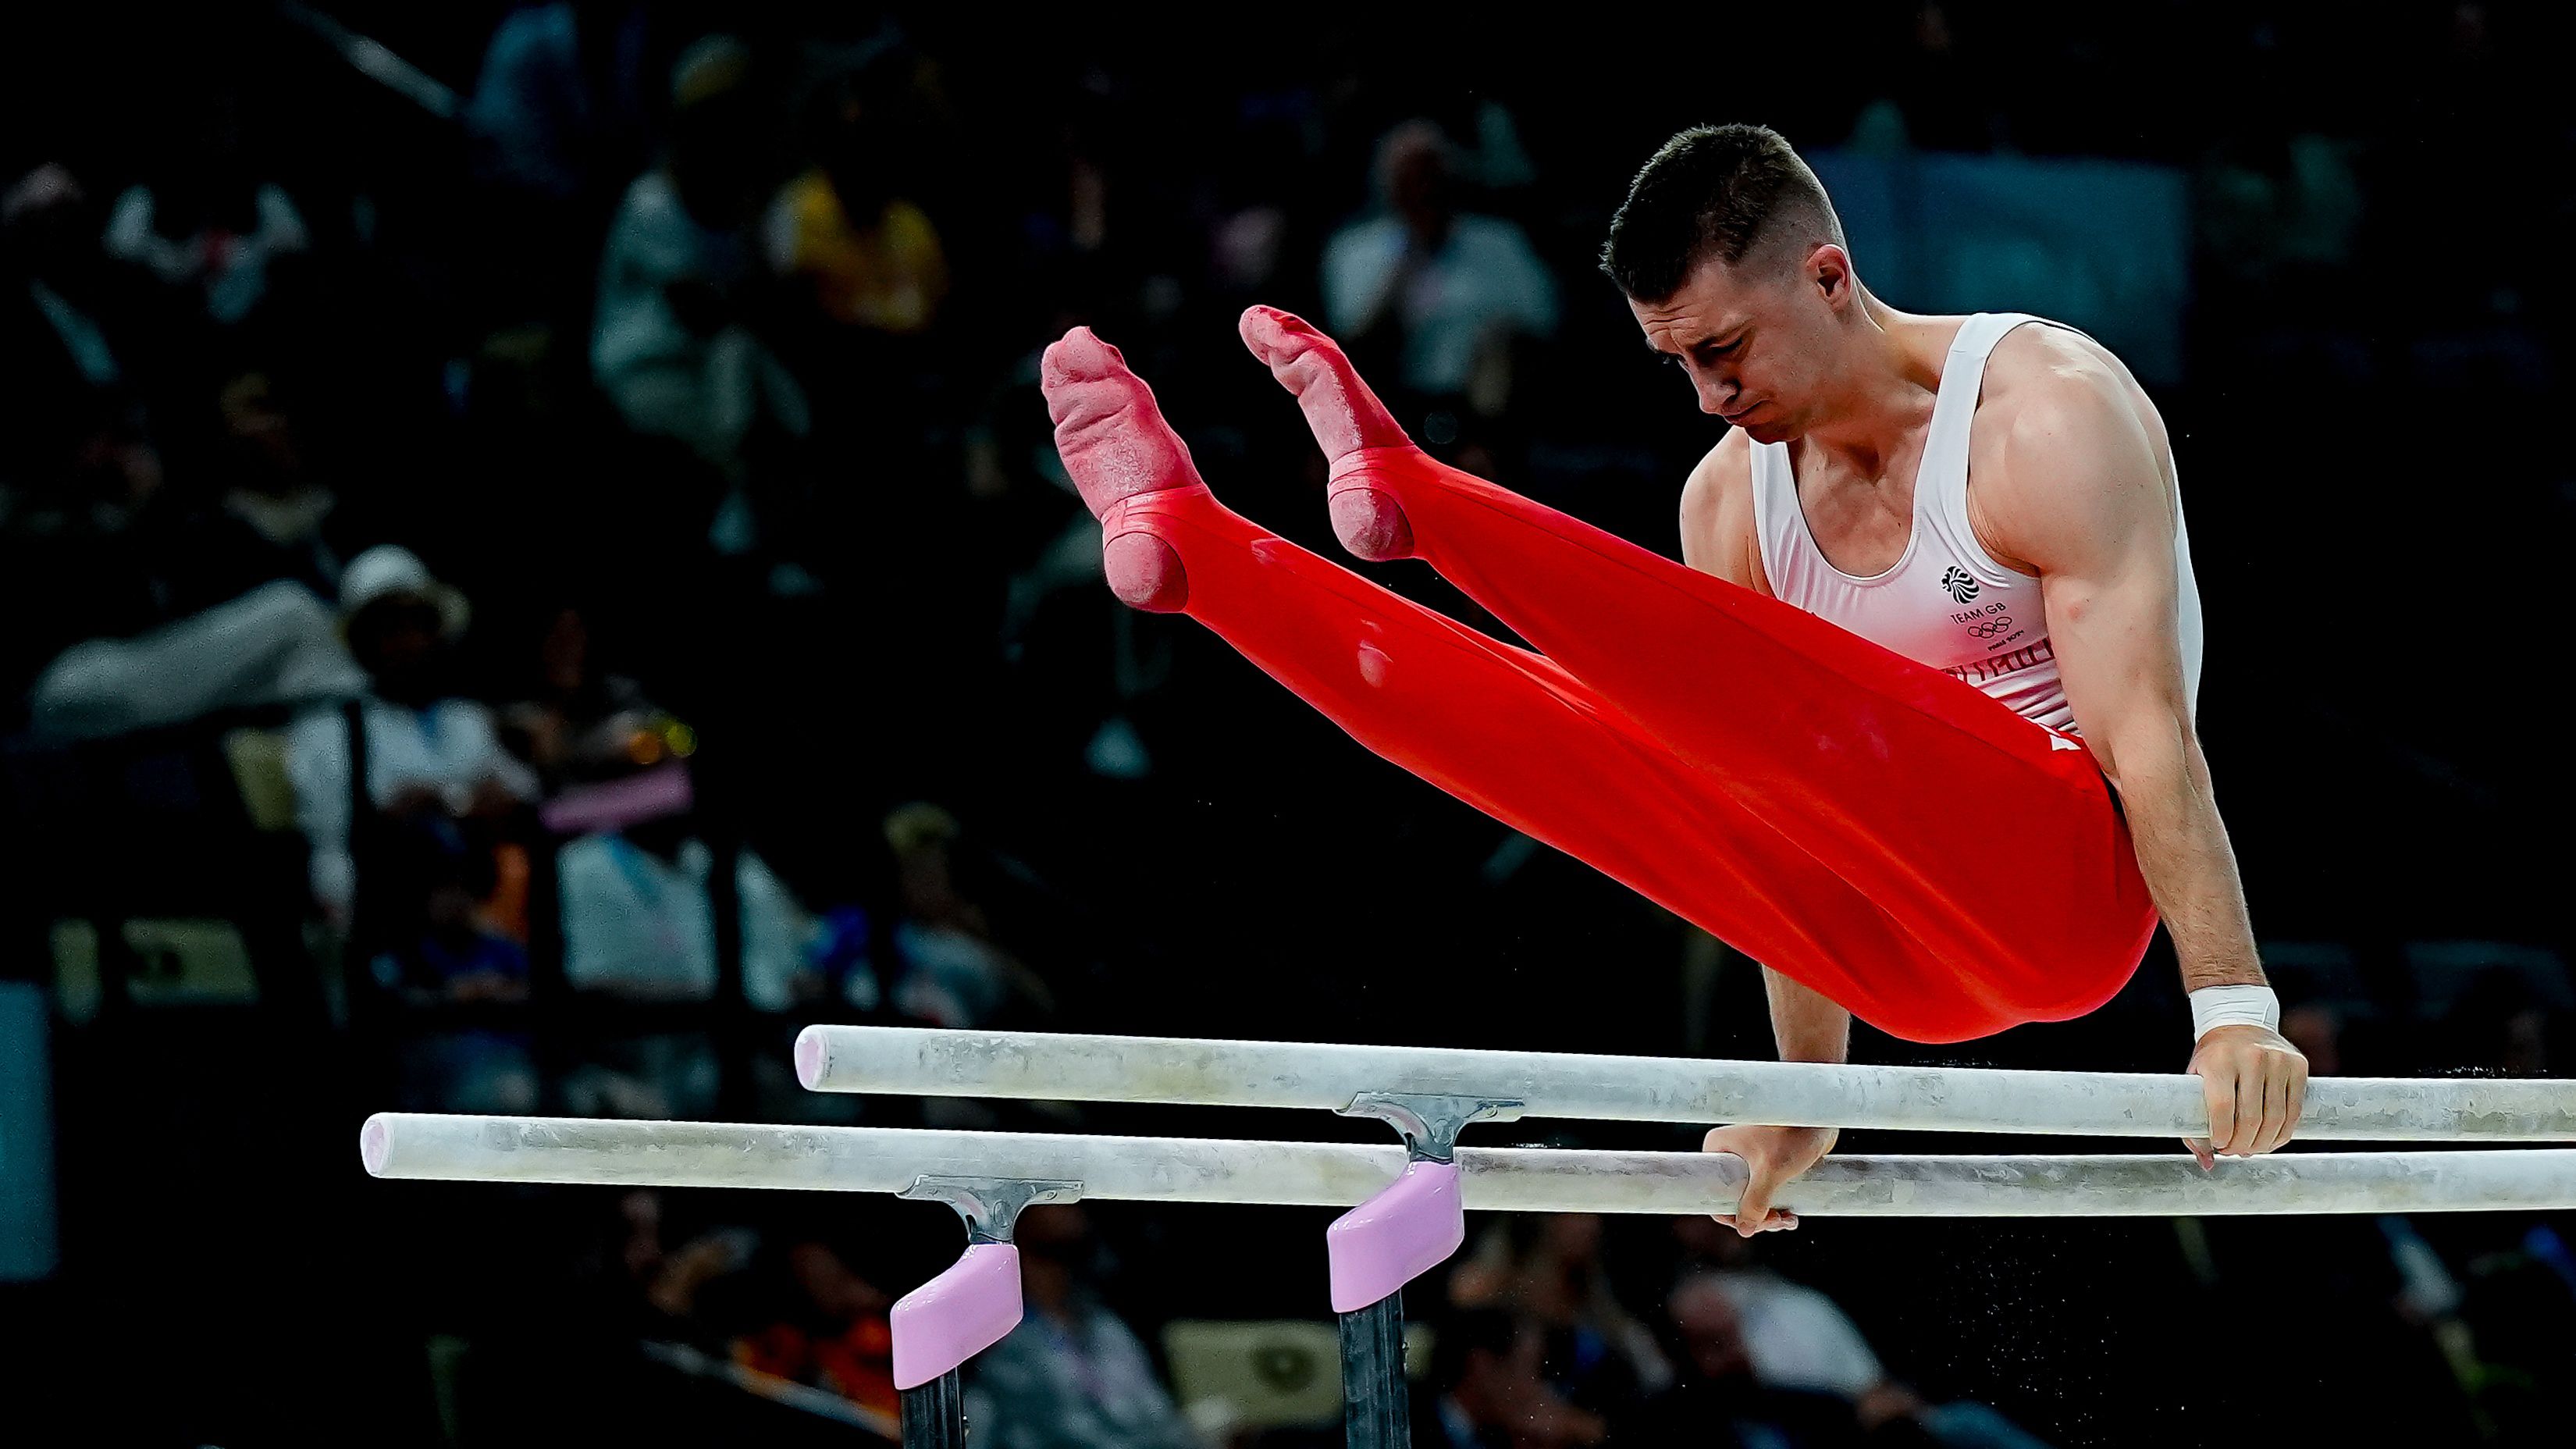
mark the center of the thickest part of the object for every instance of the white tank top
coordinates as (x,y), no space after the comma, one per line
(1945,603)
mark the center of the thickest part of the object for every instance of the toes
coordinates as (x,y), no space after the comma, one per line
(1079,356)
(1277,337)
(1107,429)
(1344,415)
(1084,379)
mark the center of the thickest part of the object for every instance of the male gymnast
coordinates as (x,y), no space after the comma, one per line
(1923,749)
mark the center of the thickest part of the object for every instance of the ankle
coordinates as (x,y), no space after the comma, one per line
(1137,511)
(1398,457)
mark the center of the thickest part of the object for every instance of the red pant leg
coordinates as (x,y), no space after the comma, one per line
(1992,840)
(1516,736)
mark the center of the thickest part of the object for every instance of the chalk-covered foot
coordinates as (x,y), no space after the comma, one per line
(1116,445)
(1358,435)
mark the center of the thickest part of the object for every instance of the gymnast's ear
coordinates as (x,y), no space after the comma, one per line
(1828,269)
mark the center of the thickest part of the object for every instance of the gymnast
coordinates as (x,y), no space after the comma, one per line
(1924,750)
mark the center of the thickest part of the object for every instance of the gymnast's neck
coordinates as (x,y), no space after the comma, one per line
(1879,386)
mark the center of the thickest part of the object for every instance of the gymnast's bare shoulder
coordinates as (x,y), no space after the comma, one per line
(1718,536)
(2056,381)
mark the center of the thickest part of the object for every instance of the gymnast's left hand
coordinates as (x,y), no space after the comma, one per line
(2255,1083)
(1772,1156)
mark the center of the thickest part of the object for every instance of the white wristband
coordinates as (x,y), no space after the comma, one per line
(2216,1006)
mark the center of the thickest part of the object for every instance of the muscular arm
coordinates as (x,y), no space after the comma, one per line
(2081,499)
(1718,538)
(2077,493)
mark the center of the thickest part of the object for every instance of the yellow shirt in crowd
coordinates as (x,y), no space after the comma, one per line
(891,276)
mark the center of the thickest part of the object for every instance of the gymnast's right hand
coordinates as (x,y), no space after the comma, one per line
(1772,1156)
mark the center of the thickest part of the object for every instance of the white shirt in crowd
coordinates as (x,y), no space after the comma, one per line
(640,925)
(1800,1339)
(666,378)
(1485,282)
(449,747)
(231,268)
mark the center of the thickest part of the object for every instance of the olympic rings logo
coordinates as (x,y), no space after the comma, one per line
(1991,628)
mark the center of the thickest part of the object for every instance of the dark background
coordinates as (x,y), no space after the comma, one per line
(2373,349)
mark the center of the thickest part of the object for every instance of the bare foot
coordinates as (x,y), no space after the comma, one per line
(1116,445)
(1349,423)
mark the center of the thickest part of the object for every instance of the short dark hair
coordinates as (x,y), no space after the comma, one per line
(1712,191)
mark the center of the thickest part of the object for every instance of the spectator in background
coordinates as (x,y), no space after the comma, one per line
(64,321)
(657,1279)
(283,511)
(557,127)
(952,972)
(870,256)
(447,954)
(579,721)
(674,344)
(208,226)
(1547,1268)
(1720,1400)
(432,761)
(1796,1339)
(638,921)
(1072,1375)
(834,1333)
(139,603)
(558,108)
(1439,292)
(191,241)
(438,952)
(1486,1391)
(637,899)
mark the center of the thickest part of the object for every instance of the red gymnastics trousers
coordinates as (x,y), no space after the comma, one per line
(1865,824)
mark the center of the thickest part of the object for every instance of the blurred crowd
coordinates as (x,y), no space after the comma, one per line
(536,566)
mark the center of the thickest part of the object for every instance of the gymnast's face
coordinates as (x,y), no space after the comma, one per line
(1758,339)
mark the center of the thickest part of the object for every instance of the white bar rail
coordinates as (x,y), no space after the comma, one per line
(1163,1169)
(1046,1066)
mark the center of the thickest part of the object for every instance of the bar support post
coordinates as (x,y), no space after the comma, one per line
(966,1310)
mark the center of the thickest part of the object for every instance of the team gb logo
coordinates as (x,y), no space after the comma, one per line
(1958,583)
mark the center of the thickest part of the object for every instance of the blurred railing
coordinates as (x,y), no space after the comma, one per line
(818,1403)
